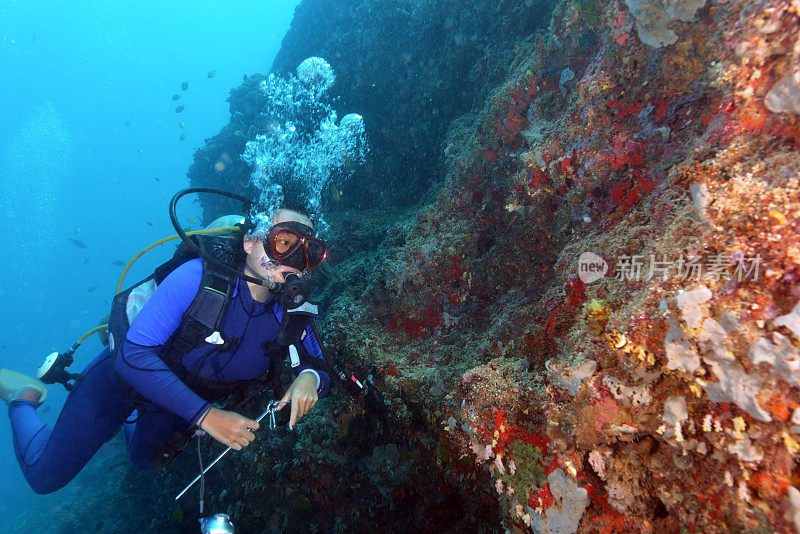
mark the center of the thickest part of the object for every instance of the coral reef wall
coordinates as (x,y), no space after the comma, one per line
(593,325)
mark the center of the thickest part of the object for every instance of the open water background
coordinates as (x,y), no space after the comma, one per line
(87,126)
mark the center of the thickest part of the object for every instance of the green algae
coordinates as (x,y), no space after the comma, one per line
(177,513)
(529,473)
(589,11)
(300,502)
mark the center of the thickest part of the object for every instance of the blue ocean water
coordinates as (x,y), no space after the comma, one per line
(90,154)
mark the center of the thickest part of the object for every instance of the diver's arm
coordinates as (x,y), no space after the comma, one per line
(139,362)
(149,375)
(312,347)
(142,368)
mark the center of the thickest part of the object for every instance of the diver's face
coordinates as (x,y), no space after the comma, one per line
(258,263)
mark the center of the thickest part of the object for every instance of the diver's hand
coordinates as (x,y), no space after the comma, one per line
(229,428)
(303,396)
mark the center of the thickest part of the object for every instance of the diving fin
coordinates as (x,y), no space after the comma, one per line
(11,382)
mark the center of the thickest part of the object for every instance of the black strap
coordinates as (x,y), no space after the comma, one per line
(291,327)
(167,450)
(277,366)
(182,254)
(204,316)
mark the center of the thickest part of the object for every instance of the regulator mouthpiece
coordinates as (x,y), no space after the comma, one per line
(216,524)
(294,292)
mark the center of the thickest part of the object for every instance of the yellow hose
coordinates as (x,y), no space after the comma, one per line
(90,332)
(162,241)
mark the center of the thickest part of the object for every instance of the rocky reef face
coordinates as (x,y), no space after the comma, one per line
(412,67)
(592,324)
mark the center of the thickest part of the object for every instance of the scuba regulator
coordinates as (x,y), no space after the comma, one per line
(293,293)
(304,251)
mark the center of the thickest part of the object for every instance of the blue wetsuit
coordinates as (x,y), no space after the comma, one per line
(97,407)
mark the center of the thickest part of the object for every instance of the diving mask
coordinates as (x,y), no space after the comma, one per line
(290,243)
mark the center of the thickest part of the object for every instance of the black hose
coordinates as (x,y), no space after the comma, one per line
(193,246)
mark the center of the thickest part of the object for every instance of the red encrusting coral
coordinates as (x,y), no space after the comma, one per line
(418,324)
(515,119)
(631,192)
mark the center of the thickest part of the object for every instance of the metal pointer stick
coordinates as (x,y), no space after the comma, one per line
(271,407)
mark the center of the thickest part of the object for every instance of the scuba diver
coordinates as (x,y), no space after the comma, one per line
(212,329)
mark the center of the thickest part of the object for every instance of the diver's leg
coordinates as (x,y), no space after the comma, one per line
(152,428)
(91,416)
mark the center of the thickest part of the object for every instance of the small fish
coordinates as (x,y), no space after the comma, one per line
(77,229)
(139,150)
(178,109)
(127,123)
(176,96)
(336,195)
(118,263)
(183,136)
(158,179)
(149,223)
(181,125)
(78,243)
(185,85)
(206,158)
(212,74)
(191,221)
(92,289)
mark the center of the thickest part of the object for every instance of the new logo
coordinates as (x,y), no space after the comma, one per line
(591,267)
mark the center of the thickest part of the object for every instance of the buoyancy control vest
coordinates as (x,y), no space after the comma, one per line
(202,323)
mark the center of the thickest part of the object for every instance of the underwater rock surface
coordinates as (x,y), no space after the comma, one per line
(518,392)
(408,67)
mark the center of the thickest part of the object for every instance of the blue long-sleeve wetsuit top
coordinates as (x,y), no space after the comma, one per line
(252,322)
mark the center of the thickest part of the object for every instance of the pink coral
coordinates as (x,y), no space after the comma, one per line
(598,464)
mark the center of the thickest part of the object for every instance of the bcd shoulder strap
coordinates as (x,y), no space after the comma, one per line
(203,320)
(293,324)
(291,331)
